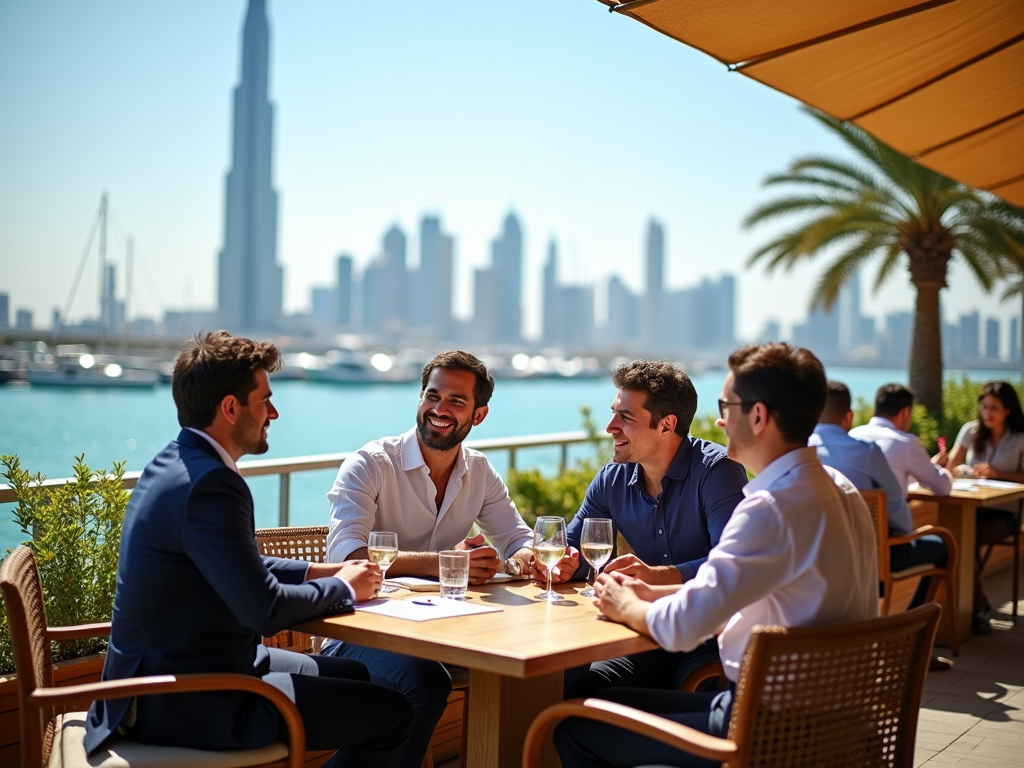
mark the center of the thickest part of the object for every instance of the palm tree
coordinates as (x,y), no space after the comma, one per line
(883,206)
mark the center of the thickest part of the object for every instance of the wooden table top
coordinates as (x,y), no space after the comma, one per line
(978,496)
(526,639)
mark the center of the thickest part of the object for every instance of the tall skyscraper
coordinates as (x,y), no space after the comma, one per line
(654,297)
(498,290)
(992,339)
(568,309)
(250,279)
(549,332)
(969,346)
(343,292)
(5,310)
(623,313)
(432,297)
(1015,338)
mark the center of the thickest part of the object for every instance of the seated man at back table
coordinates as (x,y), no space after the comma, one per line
(888,429)
(797,552)
(430,489)
(864,464)
(670,495)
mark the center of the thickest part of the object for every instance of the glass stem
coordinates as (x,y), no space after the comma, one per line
(549,582)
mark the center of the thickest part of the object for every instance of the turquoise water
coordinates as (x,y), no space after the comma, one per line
(47,427)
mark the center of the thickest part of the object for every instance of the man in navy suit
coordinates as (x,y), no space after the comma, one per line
(194,594)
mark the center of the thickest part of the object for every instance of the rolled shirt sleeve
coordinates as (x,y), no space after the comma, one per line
(353,505)
(499,519)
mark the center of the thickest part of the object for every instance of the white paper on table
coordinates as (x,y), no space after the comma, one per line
(973,483)
(419,584)
(438,608)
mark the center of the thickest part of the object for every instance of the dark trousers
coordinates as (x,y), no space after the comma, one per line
(367,724)
(590,744)
(657,669)
(424,684)
(927,549)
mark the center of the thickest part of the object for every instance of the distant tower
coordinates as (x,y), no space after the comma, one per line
(654,297)
(507,264)
(249,279)
(343,289)
(432,298)
(551,330)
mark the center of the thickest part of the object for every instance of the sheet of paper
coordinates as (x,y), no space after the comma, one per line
(424,608)
(418,584)
(974,483)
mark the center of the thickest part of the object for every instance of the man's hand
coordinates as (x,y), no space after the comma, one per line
(618,599)
(563,570)
(483,560)
(631,565)
(364,576)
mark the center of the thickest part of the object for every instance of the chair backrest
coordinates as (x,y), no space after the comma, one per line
(33,662)
(876,501)
(294,543)
(839,695)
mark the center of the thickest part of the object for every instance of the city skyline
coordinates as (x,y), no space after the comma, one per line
(428,131)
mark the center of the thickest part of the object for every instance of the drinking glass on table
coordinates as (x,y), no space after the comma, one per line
(382,549)
(453,573)
(596,545)
(549,545)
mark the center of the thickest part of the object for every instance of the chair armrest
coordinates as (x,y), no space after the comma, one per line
(86,693)
(78,631)
(931,530)
(659,728)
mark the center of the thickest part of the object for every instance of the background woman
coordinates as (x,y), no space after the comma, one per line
(992,447)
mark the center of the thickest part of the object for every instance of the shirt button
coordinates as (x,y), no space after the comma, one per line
(665,556)
(660,531)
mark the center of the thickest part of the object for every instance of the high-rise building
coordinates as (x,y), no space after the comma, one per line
(772,331)
(1015,338)
(549,327)
(23,320)
(322,301)
(5,310)
(249,291)
(654,295)
(992,339)
(498,290)
(343,292)
(820,334)
(432,298)
(969,337)
(898,329)
(701,317)
(623,313)
(568,309)
(396,301)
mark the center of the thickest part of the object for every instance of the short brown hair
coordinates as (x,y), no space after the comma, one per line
(213,365)
(837,401)
(890,399)
(789,381)
(459,360)
(668,389)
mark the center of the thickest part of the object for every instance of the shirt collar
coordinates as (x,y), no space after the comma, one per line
(881,421)
(412,454)
(677,470)
(781,467)
(224,455)
(833,430)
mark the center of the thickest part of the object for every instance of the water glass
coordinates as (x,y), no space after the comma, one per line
(453,571)
(596,543)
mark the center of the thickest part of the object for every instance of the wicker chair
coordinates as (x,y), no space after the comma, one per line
(52,732)
(308,544)
(946,574)
(841,695)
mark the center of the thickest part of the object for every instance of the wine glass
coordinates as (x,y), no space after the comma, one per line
(549,547)
(596,545)
(382,549)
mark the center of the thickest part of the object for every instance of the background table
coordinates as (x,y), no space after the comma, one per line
(958,512)
(515,656)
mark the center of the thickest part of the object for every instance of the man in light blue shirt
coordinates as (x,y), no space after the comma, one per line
(866,467)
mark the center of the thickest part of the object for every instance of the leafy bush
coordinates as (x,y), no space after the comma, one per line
(74,529)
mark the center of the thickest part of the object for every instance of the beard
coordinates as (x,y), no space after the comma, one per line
(248,435)
(438,442)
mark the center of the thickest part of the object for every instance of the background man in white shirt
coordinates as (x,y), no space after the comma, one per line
(798,551)
(430,489)
(894,406)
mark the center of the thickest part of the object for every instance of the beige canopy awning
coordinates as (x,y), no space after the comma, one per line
(941,81)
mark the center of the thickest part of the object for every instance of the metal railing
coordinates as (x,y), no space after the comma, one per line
(284,468)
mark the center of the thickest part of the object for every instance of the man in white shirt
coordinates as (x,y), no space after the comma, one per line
(430,489)
(798,551)
(894,405)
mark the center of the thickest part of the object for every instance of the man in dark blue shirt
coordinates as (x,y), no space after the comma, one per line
(669,495)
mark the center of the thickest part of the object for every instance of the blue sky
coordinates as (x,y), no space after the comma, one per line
(583,122)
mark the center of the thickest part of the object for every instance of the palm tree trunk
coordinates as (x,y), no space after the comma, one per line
(926,348)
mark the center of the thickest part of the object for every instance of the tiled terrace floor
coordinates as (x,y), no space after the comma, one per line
(973,715)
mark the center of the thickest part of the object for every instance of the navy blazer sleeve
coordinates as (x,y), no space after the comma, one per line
(218,535)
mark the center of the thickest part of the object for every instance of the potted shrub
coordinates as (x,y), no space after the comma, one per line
(74,528)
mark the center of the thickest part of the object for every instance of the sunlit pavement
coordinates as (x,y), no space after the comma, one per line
(973,715)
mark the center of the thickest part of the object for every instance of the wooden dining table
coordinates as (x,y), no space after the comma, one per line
(958,512)
(516,656)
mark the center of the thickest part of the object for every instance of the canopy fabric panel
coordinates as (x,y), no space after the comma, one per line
(939,80)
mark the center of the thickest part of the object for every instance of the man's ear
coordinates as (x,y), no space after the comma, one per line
(847,421)
(668,424)
(479,414)
(229,409)
(760,421)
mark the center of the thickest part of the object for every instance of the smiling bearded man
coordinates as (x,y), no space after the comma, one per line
(430,489)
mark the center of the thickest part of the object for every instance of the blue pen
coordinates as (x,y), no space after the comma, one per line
(424,602)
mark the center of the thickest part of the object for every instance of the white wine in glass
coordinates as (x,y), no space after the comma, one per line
(596,546)
(382,549)
(549,545)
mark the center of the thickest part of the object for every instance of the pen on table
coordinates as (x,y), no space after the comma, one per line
(428,601)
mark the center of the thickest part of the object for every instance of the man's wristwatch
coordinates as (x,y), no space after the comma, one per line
(514,566)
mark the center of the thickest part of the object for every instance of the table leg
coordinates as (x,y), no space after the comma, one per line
(960,521)
(500,712)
